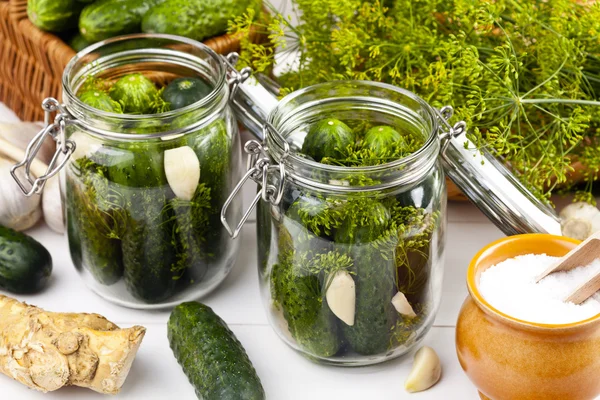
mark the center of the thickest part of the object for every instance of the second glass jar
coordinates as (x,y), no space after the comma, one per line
(351,258)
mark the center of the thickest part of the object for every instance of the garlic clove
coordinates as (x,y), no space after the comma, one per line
(576,228)
(341,297)
(16,211)
(402,305)
(182,169)
(426,371)
(580,210)
(52,205)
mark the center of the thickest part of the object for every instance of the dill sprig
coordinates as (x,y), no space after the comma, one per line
(525,76)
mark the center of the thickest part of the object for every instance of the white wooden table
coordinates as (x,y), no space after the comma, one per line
(285,374)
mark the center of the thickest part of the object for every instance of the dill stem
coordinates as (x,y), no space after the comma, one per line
(560,101)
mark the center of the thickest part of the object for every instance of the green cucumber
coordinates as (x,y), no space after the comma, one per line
(299,291)
(212,358)
(375,271)
(328,137)
(182,92)
(78,42)
(195,19)
(213,147)
(135,93)
(100,100)
(54,16)
(148,253)
(95,222)
(109,18)
(382,140)
(25,264)
(191,229)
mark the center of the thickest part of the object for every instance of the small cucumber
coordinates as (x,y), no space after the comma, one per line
(94,225)
(182,92)
(100,100)
(375,273)
(148,253)
(135,93)
(25,264)
(212,358)
(328,138)
(55,15)
(196,19)
(108,18)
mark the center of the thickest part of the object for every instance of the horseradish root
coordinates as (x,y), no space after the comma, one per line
(426,370)
(46,350)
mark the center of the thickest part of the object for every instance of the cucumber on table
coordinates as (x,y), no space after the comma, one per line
(195,19)
(25,264)
(104,19)
(212,358)
(95,222)
(54,15)
(375,269)
(148,249)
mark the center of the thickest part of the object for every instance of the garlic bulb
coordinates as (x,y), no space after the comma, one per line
(16,211)
(579,220)
(21,133)
(51,204)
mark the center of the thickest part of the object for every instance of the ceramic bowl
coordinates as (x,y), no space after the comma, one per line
(510,359)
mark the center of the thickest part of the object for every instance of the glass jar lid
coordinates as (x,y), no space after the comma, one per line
(481,177)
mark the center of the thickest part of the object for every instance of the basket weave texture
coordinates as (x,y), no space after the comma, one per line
(32,61)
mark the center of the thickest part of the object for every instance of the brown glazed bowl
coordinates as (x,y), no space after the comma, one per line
(510,359)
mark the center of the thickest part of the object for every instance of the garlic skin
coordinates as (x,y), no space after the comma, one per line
(579,220)
(402,305)
(52,205)
(21,133)
(182,169)
(341,297)
(426,370)
(16,210)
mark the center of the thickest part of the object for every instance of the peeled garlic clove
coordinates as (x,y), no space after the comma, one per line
(21,133)
(16,211)
(182,169)
(341,297)
(580,210)
(426,371)
(402,305)
(51,205)
(576,228)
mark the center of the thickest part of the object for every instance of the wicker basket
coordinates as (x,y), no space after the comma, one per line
(33,60)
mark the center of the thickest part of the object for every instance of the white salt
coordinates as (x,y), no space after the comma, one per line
(510,288)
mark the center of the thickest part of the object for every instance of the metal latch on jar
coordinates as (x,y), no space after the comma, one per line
(258,166)
(64,148)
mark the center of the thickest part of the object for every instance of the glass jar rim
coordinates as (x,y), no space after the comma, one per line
(419,157)
(75,103)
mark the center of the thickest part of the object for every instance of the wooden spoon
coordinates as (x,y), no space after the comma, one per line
(582,255)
